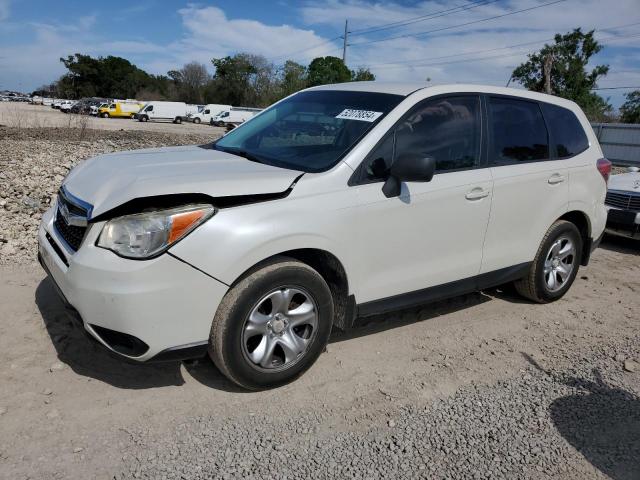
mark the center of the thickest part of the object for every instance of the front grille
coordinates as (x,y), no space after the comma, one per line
(623,200)
(71,234)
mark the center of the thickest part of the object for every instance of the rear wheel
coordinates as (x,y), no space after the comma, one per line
(105,115)
(272,326)
(555,266)
(177,120)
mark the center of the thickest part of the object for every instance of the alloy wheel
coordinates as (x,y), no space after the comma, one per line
(280,328)
(559,263)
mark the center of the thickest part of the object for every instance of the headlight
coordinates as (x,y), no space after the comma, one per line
(145,235)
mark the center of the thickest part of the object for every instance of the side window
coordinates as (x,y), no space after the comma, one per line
(149,108)
(447,129)
(519,133)
(567,132)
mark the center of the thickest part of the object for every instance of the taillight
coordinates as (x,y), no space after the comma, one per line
(604,167)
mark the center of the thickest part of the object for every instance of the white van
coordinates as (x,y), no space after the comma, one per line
(208,112)
(173,111)
(234,116)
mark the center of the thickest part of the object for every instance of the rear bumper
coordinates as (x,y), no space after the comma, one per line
(141,310)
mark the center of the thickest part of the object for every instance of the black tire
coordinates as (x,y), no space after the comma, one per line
(534,286)
(196,120)
(105,115)
(177,121)
(226,341)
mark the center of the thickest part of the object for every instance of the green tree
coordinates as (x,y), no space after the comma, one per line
(325,70)
(362,75)
(567,60)
(112,77)
(630,109)
(294,77)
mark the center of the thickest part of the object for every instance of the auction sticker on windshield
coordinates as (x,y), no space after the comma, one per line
(362,115)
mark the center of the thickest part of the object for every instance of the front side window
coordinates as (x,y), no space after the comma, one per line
(149,108)
(518,131)
(567,132)
(447,129)
(310,131)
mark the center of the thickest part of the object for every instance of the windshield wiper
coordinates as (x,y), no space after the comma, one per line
(243,153)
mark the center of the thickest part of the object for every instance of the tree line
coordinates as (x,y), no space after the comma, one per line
(243,79)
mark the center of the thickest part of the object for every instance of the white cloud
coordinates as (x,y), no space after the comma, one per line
(4,9)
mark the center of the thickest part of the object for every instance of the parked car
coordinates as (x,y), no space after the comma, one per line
(65,107)
(234,116)
(623,204)
(119,110)
(207,113)
(57,102)
(382,196)
(173,111)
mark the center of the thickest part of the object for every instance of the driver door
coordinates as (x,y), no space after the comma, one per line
(432,234)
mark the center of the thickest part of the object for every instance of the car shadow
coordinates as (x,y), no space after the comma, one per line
(615,243)
(86,357)
(601,422)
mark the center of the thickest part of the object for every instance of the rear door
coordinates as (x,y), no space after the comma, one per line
(431,234)
(530,190)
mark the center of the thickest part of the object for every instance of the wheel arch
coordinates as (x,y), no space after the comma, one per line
(330,269)
(581,220)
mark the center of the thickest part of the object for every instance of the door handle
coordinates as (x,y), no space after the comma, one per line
(477,193)
(555,179)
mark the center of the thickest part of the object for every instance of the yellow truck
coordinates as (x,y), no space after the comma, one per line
(120,110)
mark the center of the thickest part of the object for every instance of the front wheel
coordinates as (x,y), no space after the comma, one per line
(272,326)
(196,120)
(105,115)
(555,266)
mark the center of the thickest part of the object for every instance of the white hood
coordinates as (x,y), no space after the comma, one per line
(108,181)
(625,181)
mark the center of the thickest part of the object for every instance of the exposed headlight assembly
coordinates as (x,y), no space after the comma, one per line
(146,235)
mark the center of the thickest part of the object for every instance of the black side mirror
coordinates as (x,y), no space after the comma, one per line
(408,168)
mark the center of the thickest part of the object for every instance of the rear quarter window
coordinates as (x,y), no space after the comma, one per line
(566,131)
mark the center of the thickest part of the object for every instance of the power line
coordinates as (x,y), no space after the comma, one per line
(617,27)
(391,66)
(290,54)
(419,34)
(422,18)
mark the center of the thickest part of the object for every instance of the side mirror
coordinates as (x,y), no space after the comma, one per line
(408,168)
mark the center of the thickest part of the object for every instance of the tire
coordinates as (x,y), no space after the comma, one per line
(239,347)
(559,252)
(105,115)
(196,120)
(177,121)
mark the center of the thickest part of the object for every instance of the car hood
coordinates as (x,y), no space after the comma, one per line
(625,181)
(110,180)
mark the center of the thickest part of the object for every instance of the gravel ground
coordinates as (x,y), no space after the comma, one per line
(541,424)
(480,386)
(33,163)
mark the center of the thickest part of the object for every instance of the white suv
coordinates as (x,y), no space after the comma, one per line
(337,202)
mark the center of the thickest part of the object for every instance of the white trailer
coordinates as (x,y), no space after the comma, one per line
(167,111)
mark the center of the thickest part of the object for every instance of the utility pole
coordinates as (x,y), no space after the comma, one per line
(344,45)
(548,62)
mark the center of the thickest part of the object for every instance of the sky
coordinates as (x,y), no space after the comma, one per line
(443,41)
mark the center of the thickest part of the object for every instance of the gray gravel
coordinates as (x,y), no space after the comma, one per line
(33,163)
(539,425)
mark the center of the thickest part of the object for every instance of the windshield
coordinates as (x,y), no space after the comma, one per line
(310,131)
